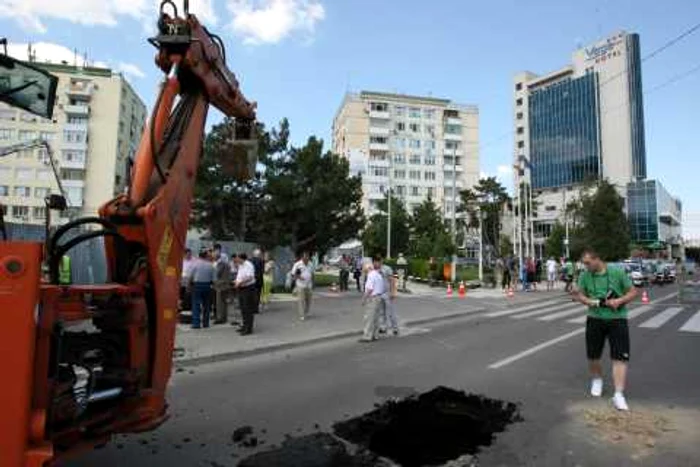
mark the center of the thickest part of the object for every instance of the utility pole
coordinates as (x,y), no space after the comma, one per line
(454,209)
(481,245)
(388,222)
(531,226)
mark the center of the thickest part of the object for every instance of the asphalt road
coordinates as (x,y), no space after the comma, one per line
(534,357)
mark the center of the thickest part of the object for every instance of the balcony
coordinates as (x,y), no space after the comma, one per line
(77,110)
(453,137)
(75,146)
(73,164)
(453,121)
(379,131)
(382,115)
(81,90)
(447,182)
(447,167)
(73,183)
(76,127)
(378,146)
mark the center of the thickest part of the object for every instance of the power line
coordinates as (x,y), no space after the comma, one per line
(674,79)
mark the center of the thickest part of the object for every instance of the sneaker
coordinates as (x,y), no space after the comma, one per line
(597,387)
(619,402)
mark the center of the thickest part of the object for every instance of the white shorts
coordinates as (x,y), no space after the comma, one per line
(551,276)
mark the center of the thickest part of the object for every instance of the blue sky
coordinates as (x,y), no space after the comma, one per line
(298,57)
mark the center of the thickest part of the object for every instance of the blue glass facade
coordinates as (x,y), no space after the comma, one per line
(564,132)
(642,212)
(634,77)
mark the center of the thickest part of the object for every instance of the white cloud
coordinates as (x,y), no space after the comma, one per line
(132,70)
(270,21)
(31,13)
(504,170)
(51,53)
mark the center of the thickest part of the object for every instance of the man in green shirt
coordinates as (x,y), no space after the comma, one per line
(606,291)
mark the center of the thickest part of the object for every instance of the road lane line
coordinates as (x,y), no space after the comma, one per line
(535,349)
(638,311)
(563,314)
(693,324)
(661,319)
(512,311)
(541,312)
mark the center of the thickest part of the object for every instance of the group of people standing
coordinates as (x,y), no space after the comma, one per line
(531,272)
(212,281)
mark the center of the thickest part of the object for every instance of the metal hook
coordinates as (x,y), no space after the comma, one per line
(170,2)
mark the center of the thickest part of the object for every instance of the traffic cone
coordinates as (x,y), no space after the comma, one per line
(645,297)
(449,290)
(462,290)
(334,287)
(510,292)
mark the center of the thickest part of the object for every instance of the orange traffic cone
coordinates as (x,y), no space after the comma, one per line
(510,292)
(449,290)
(462,290)
(645,297)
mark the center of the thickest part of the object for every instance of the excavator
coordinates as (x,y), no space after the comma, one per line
(86,362)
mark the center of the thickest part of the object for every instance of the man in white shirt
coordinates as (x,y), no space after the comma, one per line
(302,273)
(245,285)
(373,300)
(551,273)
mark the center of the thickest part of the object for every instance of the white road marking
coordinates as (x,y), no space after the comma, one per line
(693,324)
(563,314)
(512,311)
(638,311)
(632,314)
(540,312)
(660,319)
(537,348)
(579,320)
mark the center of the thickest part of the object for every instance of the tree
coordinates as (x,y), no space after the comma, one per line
(429,234)
(554,247)
(505,245)
(374,236)
(490,198)
(605,227)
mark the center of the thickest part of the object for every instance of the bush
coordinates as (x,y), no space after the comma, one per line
(467,273)
(322,280)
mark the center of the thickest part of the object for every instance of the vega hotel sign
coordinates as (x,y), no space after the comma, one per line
(604,51)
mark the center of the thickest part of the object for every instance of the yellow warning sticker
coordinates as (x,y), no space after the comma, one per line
(170,271)
(168,314)
(164,250)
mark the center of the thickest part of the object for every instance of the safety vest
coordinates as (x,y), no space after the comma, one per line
(64,273)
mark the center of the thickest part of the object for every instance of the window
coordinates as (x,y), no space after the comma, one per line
(42,155)
(415,191)
(399,159)
(26,135)
(430,129)
(429,114)
(44,174)
(414,112)
(73,156)
(519,101)
(6,134)
(430,192)
(521,144)
(519,115)
(25,154)
(20,211)
(430,144)
(521,130)
(77,120)
(451,113)
(400,110)
(4,190)
(41,192)
(430,176)
(399,174)
(429,160)
(24,174)
(414,174)
(39,213)
(74,195)
(453,145)
(22,192)
(400,126)
(72,174)
(47,135)
(414,127)
(550,208)
(453,129)
(519,86)
(414,159)
(401,190)
(73,136)
(377,139)
(414,144)
(377,156)
(379,106)
(378,171)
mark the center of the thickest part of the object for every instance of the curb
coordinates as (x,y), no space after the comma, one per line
(188,362)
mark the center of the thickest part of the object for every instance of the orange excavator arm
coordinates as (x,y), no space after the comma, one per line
(75,387)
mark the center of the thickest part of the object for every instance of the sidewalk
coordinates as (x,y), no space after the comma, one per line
(333,316)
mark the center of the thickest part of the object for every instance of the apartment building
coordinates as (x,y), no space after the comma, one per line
(96,127)
(417,146)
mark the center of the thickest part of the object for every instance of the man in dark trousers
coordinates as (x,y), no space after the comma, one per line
(259,266)
(247,292)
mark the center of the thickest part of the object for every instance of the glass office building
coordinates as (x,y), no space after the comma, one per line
(564,132)
(654,215)
(634,78)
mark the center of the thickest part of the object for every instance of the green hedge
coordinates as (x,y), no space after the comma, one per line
(325,280)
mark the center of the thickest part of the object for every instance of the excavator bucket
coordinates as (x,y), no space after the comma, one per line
(241,157)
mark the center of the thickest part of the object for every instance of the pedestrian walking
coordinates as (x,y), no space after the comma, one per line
(551,273)
(344,274)
(200,280)
(606,291)
(222,285)
(259,267)
(389,320)
(302,272)
(268,279)
(402,268)
(568,275)
(357,272)
(373,302)
(247,292)
(507,268)
(531,274)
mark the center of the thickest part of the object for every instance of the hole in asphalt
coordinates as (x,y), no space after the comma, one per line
(431,428)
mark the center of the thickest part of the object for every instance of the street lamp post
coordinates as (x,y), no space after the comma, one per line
(388,222)
(481,245)
(454,209)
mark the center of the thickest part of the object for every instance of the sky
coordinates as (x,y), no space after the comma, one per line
(297,58)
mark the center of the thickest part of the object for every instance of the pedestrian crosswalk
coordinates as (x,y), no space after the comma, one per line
(654,316)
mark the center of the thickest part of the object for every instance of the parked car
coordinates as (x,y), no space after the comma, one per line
(639,274)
